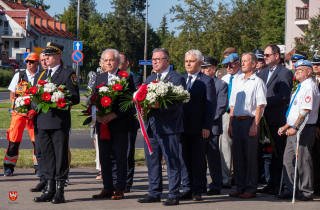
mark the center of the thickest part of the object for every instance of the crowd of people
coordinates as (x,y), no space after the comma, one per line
(221,127)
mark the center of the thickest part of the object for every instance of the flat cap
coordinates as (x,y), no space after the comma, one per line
(231,58)
(316,58)
(53,48)
(208,61)
(259,54)
(303,63)
(298,55)
(229,50)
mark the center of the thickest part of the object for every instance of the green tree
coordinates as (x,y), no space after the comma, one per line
(87,8)
(163,31)
(36,3)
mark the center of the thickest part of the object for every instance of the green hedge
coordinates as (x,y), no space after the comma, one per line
(5,77)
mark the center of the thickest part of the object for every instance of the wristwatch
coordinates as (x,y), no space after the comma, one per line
(295,127)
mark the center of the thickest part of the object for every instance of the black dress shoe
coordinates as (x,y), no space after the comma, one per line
(283,196)
(204,190)
(302,198)
(226,187)
(185,195)
(39,187)
(148,199)
(265,189)
(275,191)
(171,202)
(59,196)
(196,197)
(127,190)
(213,192)
(49,193)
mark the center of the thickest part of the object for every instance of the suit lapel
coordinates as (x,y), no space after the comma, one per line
(274,75)
(195,83)
(56,74)
(167,78)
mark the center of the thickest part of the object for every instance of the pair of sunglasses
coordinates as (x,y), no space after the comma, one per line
(30,62)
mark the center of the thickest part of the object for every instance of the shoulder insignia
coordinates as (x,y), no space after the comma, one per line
(74,79)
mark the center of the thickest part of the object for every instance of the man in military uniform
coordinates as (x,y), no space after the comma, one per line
(223,71)
(53,127)
(297,56)
(19,121)
(261,64)
(304,102)
(209,66)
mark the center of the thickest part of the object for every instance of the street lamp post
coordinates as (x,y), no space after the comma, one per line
(145,44)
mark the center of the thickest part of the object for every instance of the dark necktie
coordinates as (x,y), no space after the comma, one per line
(159,77)
(189,83)
(50,71)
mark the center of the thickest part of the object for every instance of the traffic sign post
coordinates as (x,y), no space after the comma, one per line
(77,46)
(77,57)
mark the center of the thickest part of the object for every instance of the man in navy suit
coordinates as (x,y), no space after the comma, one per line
(198,120)
(119,124)
(279,84)
(164,127)
(209,67)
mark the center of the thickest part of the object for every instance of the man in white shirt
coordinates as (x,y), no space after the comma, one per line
(247,102)
(20,121)
(305,101)
(232,64)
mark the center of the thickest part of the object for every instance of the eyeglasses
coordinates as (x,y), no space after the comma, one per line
(30,62)
(268,55)
(316,64)
(157,59)
(43,60)
(228,65)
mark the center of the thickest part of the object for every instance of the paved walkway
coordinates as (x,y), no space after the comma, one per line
(84,185)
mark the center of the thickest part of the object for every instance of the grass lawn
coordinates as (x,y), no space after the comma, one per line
(5,105)
(83,86)
(80,158)
(4,88)
(5,119)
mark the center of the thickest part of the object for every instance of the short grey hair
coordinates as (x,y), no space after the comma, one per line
(164,51)
(197,53)
(116,55)
(253,57)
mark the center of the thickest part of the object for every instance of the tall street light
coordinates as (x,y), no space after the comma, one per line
(145,44)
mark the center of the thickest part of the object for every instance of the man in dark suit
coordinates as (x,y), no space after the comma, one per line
(124,66)
(209,66)
(164,127)
(198,120)
(119,124)
(279,84)
(53,127)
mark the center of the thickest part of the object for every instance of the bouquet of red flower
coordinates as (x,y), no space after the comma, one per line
(102,99)
(22,105)
(47,95)
(295,84)
(266,138)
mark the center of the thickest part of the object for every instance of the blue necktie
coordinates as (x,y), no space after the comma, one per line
(229,90)
(189,83)
(288,111)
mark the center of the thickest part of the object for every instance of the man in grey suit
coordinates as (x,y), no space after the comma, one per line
(279,81)
(209,67)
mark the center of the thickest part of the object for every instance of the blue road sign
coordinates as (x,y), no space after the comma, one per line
(145,63)
(25,55)
(77,46)
(80,64)
(77,56)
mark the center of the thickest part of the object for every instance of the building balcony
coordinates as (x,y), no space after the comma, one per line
(302,16)
(13,34)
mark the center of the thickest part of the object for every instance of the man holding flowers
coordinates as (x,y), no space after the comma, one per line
(118,123)
(54,124)
(163,126)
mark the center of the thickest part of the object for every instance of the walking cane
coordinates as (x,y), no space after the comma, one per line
(297,152)
(281,182)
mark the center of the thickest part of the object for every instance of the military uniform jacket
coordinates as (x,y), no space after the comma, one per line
(55,118)
(124,121)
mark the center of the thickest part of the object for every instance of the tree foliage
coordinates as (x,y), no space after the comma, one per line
(36,3)
(87,7)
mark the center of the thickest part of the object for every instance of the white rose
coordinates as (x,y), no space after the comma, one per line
(104,89)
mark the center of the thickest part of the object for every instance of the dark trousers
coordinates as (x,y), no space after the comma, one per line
(118,141)
(316,164)
(37,141)
(192,152)
(54,152)
(214,162)
(130,159)
(305,165)
(277,160)
(168,145)
(245,156)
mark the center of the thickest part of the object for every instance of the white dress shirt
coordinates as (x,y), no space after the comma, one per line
(226,77)
(271,72)
(14,82)
(307,98)
(114,74)
(54,69)
(194,77)
(164,74)
(247,94)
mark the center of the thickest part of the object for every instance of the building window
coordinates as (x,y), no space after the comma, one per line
(5,28)
(16,44)
(6,47)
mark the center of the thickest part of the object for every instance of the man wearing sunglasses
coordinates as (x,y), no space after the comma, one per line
(279,84)
(20,121)
(232,64)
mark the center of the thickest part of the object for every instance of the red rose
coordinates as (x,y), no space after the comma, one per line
(123,74)
(269,149)
(61,103)
(117,87)
(294,79)
(42,83)
(93,97)
(89,109)
(27,101)
(33,90)
(46,96)
(26,91)
(155,82)
(100,85)
(105,101)
(140,96)
(60,89)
